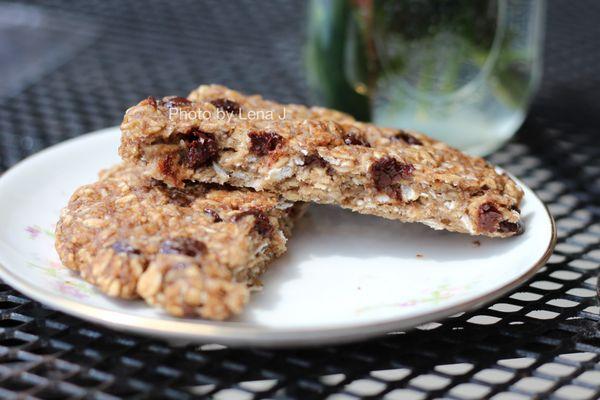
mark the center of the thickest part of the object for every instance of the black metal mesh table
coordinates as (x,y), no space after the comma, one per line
(540,341)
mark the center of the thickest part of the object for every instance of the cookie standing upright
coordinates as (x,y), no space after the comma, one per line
(193,251)
(319,155)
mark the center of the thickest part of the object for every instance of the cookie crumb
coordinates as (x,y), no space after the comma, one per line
(420,255)
(476,243)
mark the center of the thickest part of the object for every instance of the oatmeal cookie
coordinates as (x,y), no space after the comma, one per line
(195,251)
(319,155)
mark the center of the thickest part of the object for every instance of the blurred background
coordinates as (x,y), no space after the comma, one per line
(464,73)
(69,67)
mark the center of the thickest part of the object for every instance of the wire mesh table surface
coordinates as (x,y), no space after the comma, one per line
(539,341)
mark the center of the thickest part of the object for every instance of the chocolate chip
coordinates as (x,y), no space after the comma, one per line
(262,225)
(481,191)
(175,101)
(315,160)
(226,105)
(213,214)
(387,171)
(489,217)
(515,208)
(124,247)
(510,227)
(202,150)
(355,139)
(183,245)
(152,101)
(178,196)
(407,138)
(262,143)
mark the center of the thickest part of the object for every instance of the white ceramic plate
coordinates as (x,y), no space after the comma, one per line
(346,276)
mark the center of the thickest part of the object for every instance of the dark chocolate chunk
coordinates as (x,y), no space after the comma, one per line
(182,198)
(489,217)
(262,225)
(407,138)
(226,105)
(183,245)
(202,149)
(213,214)
(510,227)
(315,160)
(262,143)
(354,139)
(387,171)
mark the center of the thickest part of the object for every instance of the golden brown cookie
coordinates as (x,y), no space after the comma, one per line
(194,251)
(319,155)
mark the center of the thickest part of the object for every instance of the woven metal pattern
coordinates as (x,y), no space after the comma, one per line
(541,341)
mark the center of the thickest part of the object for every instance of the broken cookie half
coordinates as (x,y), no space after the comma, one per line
(197,250)
(318,155)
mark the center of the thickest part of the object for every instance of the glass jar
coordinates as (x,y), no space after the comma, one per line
(461,71)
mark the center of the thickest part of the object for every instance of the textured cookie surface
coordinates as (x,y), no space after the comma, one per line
(194,251)
(319,155)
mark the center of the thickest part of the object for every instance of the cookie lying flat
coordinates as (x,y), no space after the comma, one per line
(380,171)
(194,251)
